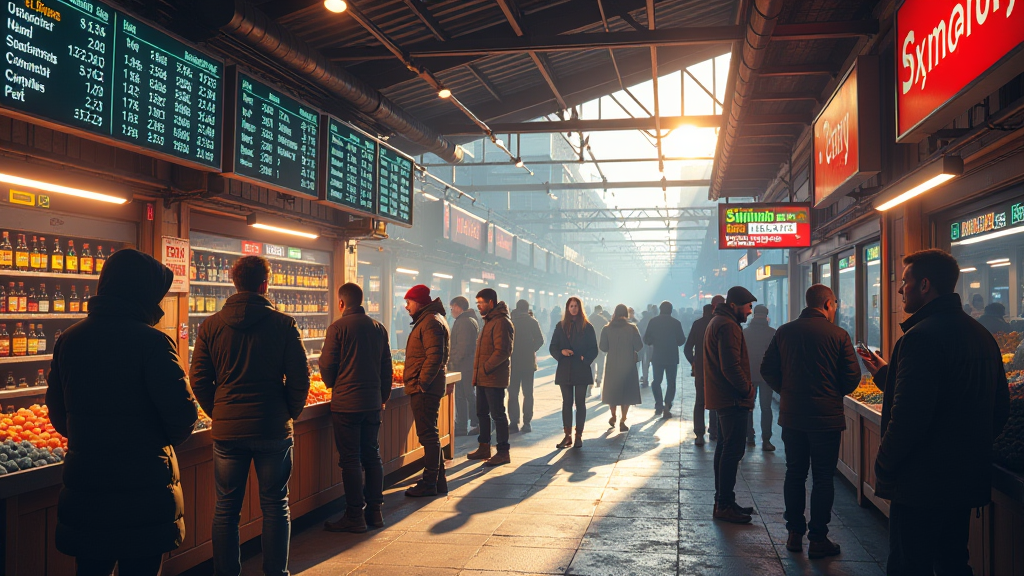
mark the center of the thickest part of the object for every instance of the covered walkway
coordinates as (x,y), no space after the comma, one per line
(626,503)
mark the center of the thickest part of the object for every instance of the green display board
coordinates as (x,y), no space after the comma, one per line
(350,168)
(395,174)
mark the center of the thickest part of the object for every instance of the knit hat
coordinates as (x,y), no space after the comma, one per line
(419,294)
(739,295)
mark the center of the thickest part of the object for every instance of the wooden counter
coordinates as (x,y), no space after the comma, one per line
(30,497)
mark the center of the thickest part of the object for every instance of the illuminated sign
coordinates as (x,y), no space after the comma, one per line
(1006,215)
(502,243)
(466,229)
(770,271)
(764,226)
(742,264)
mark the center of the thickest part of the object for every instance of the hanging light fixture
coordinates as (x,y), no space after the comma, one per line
(269,223)
(336,6)
(444,93)
(920,181)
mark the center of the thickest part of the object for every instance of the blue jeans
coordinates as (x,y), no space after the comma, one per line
(355,435)
(668,373)
(273,462)
(490,405)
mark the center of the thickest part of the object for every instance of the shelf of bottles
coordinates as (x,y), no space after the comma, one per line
(45,286)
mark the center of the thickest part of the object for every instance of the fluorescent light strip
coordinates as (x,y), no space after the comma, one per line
(845,270)
(285,231)
(874,263)
(407,271)
(476,280)
(502,285)
(916,191)
(998,261)
(445,276)
(58,189)
(530,290)
(1000,265)
(520,288)
(966,270)
(430,197)
(991,236)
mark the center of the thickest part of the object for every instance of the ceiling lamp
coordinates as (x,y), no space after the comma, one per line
(336,6)
(444,93)
(920,181)
(272,224)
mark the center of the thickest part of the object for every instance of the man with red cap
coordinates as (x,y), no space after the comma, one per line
(426,355)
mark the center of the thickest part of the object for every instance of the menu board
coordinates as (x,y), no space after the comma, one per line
(350,168)
(760,225)
(85,65)
(395,186)
(275,139)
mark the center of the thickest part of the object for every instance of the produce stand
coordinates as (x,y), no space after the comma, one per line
(30,496)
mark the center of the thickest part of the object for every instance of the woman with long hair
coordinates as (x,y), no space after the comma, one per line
(621,340)
(574,347)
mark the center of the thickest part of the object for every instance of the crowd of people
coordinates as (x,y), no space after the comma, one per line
(250,373)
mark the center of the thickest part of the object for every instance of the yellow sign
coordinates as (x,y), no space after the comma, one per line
(43,201)
(23,198)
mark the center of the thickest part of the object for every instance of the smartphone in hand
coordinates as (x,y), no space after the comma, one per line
(864,351)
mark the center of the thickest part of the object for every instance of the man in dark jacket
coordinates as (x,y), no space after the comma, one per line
(356,363)
(463,347)
(115,366)
(645,354)
(812,365)
(946,368)
(250,374)
(758,335)
(664,336)
(426,355)
(694,352)
(993,319)
(728,389)
(524,365)
(491,376)
(600,320)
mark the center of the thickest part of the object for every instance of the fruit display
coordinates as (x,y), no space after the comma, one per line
(398,371)
(204,422)
(29,440)
(318,391)
(1007,358)
(867,392)
(1009,341)
(1008,448)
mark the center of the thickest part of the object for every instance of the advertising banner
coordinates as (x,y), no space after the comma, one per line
(466,229)
(175,255)
(764,226)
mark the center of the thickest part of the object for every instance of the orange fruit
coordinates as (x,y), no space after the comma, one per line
(19,420)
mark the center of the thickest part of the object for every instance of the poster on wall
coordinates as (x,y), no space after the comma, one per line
(763,226)
(174,253)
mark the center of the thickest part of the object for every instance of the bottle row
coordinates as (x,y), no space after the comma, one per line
(11,384)
(14,300)
(22,343)
(39,258)
(211,268)
(309,329)
(208,300)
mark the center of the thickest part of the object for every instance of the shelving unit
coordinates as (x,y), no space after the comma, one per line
(272,287)
(23,359)
(271,258)
(20,274)
(22,392)
(49,316)
(292,314)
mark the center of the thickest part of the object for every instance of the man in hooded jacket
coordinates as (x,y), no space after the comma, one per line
(250,374)
(758,335)
(524,365)
(463,347)
(126,510)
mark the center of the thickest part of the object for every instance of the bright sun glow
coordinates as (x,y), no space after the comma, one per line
(690,142)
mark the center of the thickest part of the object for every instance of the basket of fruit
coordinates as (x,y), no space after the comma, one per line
(867,392)
(319,393)
(29,440)
(1008,448)
(398,371)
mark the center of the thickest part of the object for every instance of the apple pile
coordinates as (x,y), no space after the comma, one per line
(318,391)
(867,392)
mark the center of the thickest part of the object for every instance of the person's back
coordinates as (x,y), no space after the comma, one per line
(993,320)
(461,352)
(664,335)
(529,339)
(693,350)
(758,335)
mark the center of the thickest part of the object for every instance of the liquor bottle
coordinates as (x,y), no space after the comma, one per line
(44,300)
(191,300)
(21,257)
(12,299)
(3,300)
(32,340)
(202,269)
(22,383)
(40,378)
(74,304)
(211,301)
(291,275)
(193,269)
(22,298)
(10,384)
(19,341)
(215,269)
(56,257)
(5,342)
(41,346)
(34,261)
(59,305)
(33,301)
(225,271)
(6,252)
(222,298)
(71,259)
(85,300)
(100,259)
(85,261)
(44,255)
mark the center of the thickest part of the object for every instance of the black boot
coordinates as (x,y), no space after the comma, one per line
(567,441)
(427,486)
(374,516)
(352,521)
(442,480)
(579,437)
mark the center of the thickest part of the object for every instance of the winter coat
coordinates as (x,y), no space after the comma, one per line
(946,368)
(758,335)
(621,340)
(994,324)
(665,335)
(529,339)
(574,370)
(694,347)
(249,370)
(726,363)
(462,350)
(356,362)
(812,365)
(492,364)
(121,493)
(601,320)
(426,352)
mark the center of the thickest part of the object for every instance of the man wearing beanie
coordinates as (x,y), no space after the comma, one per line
(463,348)
(758,335)
(728,389)
(524,365)
(426,355)
(491,375)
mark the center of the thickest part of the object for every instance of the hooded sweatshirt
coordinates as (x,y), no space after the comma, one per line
(249,370)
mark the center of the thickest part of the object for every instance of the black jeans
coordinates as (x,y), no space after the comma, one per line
(572,394)
(926,541)
(424,413)
(668,371)
(764,401)
(490,405)
(355,435)
(818,451)
(698,411)
(465,403)
(521,380)
(732,426)
(143,566)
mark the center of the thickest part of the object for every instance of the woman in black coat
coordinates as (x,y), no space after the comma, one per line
(574,347)
(121,502)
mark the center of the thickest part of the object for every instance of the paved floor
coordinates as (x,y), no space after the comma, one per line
(625,503)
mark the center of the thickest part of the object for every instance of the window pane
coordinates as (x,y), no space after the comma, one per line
(847,316)
(873,295)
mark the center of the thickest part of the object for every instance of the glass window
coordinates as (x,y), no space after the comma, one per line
(991,282)
(873,295)
(846,318)
(825,273)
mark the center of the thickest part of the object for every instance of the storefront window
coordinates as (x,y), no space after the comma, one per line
(825,273)
(404,279)
(846,318)
(873,295)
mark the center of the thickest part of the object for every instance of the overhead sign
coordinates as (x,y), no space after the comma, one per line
(742,263)
(1000,219)
(950,54)
(395,177)
(524,249)
(846,134)
(174,254)
(349,178)
(770,271)
(502,242)
(467,229)
(540,258)
(764,226)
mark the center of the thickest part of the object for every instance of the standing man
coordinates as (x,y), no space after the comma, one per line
(249,373)
(491,375)
(945,368)
(694,352)
(645,353)
(356,363)
(426,355)
(524,365)
(601,319)
(728,389)
(664,335)
(812,365)
(758,335)
(463,348)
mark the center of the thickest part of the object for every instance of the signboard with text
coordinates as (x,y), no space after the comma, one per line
(764,226)
(349,168)
(1001,218)
(466,229)
(502,243)
(174,254)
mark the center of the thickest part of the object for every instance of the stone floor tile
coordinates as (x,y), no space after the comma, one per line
(729,565)
(640,495)
(632,534)
(423,556)
(519,559)
(533,541)
(617,563)
(829,567)
(442,522)
(474,505)
(557,507)
(565,492)
(637,509)
(541,525)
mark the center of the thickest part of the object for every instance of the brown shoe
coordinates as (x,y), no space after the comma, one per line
(373,516)
(795,543)
(353,521)
(481,453)
(822,548)
(567,440)
(731,514)
(498,459)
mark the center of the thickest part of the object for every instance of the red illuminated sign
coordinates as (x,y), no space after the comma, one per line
(949,55)
(764,226)
(251,248)
(846,134)
(467,229)
(502,243)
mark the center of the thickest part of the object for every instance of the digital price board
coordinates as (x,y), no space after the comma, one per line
(349,171)
(84,65)
(778,225)
(275,139)
(395,175)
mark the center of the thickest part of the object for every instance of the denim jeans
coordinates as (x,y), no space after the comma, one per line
(818,451)
(668,372)
(764,401)
(928,541)
(273,463)
(732,426)
(355,435)
(465,403)
(521,380)
(577,394)
(490,404)
(144,566)
(424,414)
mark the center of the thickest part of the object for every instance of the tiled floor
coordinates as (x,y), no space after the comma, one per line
(625,503)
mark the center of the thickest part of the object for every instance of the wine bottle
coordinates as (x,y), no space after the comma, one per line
(59,304)
(21,254)
(71,259)
(56,257)
(6,252)
(34,258)
(100,259)
(5,342)
(41,346)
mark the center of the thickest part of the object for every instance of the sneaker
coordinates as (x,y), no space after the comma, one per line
(513,428)
(699,440)
(822,548)
(767,446)
(731,514)
(795,542)
(526,428)
(355,524)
